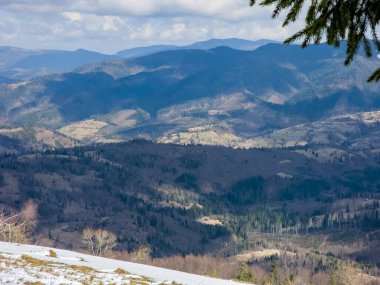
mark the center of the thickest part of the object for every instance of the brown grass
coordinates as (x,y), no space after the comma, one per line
(82,269)
(34,261)
(121,271)
(201,265)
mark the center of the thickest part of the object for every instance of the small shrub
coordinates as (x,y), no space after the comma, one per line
(52,253)
(121,271)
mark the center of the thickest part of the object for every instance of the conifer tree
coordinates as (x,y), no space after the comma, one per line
(356,21)
(244,273)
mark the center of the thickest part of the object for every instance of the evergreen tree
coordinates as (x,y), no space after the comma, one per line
(336,20)
(244,273)
(274,276)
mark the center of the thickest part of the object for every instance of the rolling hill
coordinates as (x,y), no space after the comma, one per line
(5,80)
(159,194)
(74,268)
(246,139)
(204,210)
(238,44)
(60,61)
(218,96)
(23,64)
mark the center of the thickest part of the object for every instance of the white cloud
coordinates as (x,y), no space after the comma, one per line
(91,22)
(94,24)
(224,9)
(72,16)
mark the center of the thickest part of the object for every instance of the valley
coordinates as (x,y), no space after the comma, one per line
(214,157)
(203,201)
(193,97)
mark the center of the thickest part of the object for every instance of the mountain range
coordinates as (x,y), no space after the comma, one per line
(198,150)
(234,43)
(18,63)
(220,96)
(21,64)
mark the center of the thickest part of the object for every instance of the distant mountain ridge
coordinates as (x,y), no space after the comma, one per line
(24,64)
(142,51)
(62,60)
(219,96)
(5,80)
(239,44)
(21,64)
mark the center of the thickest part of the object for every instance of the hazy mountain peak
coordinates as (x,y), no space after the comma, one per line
(235,43)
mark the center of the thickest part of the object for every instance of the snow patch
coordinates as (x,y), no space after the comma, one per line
(75,268)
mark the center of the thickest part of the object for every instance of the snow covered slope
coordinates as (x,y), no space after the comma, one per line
(20,264)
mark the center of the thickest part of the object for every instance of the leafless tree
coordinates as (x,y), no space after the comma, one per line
(142,254)
(346,274)
(98,241)
(17,227)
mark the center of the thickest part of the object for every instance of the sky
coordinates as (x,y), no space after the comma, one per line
(112,25)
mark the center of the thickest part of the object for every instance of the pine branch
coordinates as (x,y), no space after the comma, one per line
(337,20)
(375,77)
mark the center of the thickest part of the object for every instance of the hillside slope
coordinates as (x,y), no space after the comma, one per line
(28,263)
(219,96)
(23,64)
(59,61)
(165,195)
(234,43)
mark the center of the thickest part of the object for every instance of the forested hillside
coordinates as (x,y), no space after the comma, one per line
(219,96)
(296,195)
(190,199)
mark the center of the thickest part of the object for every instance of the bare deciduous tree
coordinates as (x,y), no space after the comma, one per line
(98,241)
(142,254)
(16,227)
(88,238)
(346,274)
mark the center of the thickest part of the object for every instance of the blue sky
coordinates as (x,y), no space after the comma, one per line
(112,25)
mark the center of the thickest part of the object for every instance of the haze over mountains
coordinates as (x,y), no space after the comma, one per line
(21,63)
(268,129)
(234,43)
(219,96)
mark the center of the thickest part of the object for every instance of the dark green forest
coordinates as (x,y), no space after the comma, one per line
(156,194)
